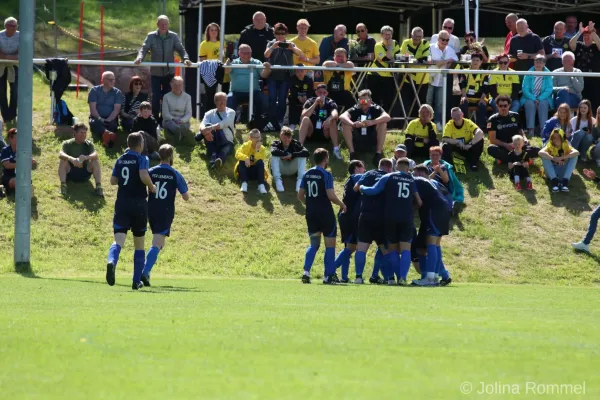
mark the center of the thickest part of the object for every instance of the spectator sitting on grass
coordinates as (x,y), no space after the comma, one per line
(133,100)
(8,158)
(79,161)
(559,160)
(288,157)
(561,119)
(462,136)
(443,172)
(421,133)
(217,129)
(251,162)
(400,152)
(177,109)
(147,125)
(518,164)
(105,102)
(581,126)
(595,153)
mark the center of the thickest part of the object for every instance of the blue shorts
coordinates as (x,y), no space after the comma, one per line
(79,174)
(160,223)
(348,228)
(325,224)
(131,215)
(439,222)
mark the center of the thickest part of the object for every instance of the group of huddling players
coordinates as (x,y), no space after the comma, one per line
(378,204)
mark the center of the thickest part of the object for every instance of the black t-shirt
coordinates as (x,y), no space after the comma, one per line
(299,87)
(529,44)
(587,59)
(357,114)
(514,157)
(506,127)
(320,114)
(551,44)
(362,49)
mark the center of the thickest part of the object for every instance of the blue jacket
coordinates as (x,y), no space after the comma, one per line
(528,83)
(326,48)
(549,127)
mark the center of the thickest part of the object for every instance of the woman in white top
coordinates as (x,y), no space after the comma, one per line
(581,126)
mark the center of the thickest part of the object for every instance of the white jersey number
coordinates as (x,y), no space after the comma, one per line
(161,190)
(313,189)
(403,189)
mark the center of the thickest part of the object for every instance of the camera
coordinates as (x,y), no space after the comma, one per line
(284,45)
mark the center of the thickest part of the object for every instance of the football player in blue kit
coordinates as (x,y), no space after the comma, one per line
(435,217)
(349,220)
(400,193)
(318,193)
(370,221)
(161,205)
(131,207)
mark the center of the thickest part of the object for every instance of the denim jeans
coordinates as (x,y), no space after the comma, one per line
(220,147)
(562,96)
(542,112)
(581,141)
(278,91)
(593,225)
(554,171)
(434,98)
(161,85)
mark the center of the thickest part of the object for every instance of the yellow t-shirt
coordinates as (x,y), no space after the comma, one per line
(327,75)
(380,54)
(504,83)
(210,50)
(309,47)
(416,128)
(419,52)
(466,131)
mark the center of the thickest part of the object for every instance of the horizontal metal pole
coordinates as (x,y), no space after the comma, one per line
(411,69)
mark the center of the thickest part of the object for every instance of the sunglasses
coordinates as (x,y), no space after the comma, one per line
(444,40)
(503,105)
(360,31)
(448,28)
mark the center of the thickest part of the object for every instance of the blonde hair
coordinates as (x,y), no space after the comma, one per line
(303,21)
(341,50)
(254,133)
(517,139)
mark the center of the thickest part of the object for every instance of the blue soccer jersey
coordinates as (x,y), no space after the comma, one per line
(168,182)
(351,198)
(398,188)
(433,194)
(127,170)
(371,206)
(7,154)
(316,182)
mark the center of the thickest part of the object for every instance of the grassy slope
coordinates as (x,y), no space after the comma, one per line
(255,339)
(501,236)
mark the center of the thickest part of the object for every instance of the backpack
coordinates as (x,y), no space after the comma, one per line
(62,114)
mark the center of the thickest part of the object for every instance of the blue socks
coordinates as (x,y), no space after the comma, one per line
(138,265)
(360,260)
(329,261)
(394,262)
(113,254)
(404,263)
(444,274)
(432,258)
(151,257)
(309,258)
(378,263)
(423,265)
(343,260)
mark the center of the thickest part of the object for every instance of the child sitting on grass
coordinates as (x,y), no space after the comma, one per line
(145,122)
(518,164)
(251,162)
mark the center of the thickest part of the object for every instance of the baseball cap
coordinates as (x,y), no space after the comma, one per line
(400,147)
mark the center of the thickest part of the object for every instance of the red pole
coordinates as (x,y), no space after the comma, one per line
(101,40)
(80,44)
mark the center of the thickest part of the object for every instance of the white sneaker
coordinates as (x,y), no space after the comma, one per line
(298,183)
(293,127)
(391,282)
(279,185)
(337,153)
(244,187)
(581,246)
(359,281)
(262,189)
(425,282)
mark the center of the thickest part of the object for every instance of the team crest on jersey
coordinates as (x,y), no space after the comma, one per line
(513,119)
(305,87)
(216,52)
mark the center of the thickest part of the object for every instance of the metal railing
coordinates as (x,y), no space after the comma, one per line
(257,68)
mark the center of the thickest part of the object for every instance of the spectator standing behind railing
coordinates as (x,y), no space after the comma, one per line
(105,103)
(131,106)
(339,83)
(586,59)
(330,44)
(418,47)
(257,36)
(280,52)
(567,89)
(473,47)
(365,44)
(161,43)
(454,42)
(555,45)
(9,74)
(210,50)
(382,83)
(524,46)
(537,95)
(177,109)
(301,89)
(511,24)
(217,128)
(571,26)
(308,46)
(508,85)
(442,56)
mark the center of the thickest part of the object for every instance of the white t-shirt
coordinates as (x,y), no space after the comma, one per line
(582,124)
(454,42)
(439,55)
